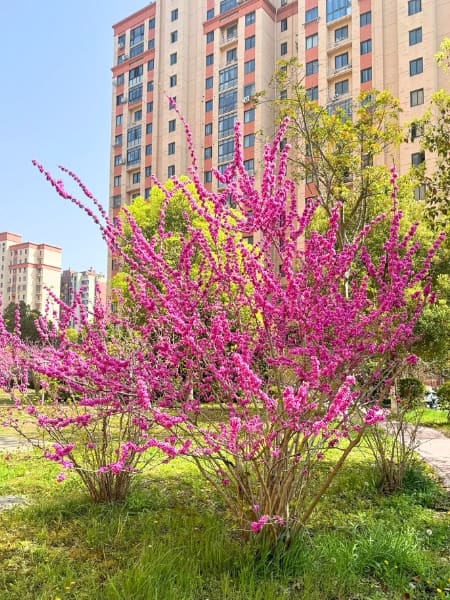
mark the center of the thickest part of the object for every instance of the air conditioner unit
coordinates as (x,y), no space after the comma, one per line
(125,57)
(246,99)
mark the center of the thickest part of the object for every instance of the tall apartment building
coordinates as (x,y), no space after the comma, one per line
(90,284)
(212,55)
(28,271)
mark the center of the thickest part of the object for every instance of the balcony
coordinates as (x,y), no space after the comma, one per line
(337,44)
(228,40)
(339,71)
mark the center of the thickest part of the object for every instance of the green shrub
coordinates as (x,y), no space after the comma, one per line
(411,389)
(443,394)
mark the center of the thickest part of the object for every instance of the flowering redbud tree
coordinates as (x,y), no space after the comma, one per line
(255,360)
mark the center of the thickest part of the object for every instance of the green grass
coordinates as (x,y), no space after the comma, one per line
(172,540)
(431,417)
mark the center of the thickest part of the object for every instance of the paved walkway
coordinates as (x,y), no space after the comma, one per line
(434,447)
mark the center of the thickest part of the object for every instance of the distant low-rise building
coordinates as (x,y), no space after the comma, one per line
(29,272)
(90,284)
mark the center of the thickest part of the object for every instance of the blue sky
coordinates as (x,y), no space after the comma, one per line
(56,107)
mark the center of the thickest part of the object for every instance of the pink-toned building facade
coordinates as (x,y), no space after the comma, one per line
(213,55)
(28,271)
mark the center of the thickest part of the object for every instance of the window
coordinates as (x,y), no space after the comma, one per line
(249,140)
(150,107)
(312,93)
(118,140)
(151,23)
(149,128)
(120,99)
(415,66)
(209,59)
(283,25)
(210,14)
(208,152)
(121,41)
(151,64)
(173,58)
(249,115)
(312,14)
(119,119)
(135,93)
(148,150)
(118,160)
(137,116)
(117,180)
(208,176)
(209,37)
(172,81)
(174,36)
(416,97)
(283,95)
(250,42)
(249,89)
(250,18)
(137,35)
(120,79)
(249,166)
(312,41)
(134,136)
(283,49)
(312,67)
(231,32)
(120,59)
(341,87)
(414,6)
(231,55)
(227,5)
(228,101)
(419,192)
(117,201)
(366,75)
(136,178)
(172,125)
(171,148)
(226,125)
(135,75)
(415,36)
(337,9)
(136,50)
(366,46)
(341,34)
(365,18)
(151,44)
(416,131)
(171,171)
(341,61)
(134,157)
(249,66)
(150,86)
(208,106)
(225,150)
(417,158)
(208,129)
(147,192)
(148,171)
(174,14)
(209,82)
(172,103)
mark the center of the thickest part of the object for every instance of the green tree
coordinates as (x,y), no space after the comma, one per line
(28,317)
(335,153)
(436,139)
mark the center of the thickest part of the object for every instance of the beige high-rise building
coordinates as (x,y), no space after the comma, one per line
(29,272)
(213,55)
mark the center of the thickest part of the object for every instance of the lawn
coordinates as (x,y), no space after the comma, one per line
(172,541)
(432,417)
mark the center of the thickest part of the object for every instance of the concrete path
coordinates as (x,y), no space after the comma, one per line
(434,447)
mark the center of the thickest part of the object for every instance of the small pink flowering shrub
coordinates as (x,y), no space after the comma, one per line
(256,360)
